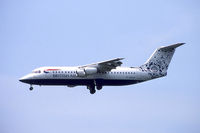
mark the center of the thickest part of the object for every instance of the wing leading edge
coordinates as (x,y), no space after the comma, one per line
(104,66)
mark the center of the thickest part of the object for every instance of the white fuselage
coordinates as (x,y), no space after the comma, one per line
(69,76)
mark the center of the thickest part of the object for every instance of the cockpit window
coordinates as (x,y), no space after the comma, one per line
(38,71)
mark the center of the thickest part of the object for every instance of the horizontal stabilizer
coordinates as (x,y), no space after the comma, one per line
(171,46)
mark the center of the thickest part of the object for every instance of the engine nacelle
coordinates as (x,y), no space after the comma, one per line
(86,71)
(90,70)
(81,72)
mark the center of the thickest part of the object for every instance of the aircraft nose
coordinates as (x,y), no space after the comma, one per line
(22,79)
(25,79)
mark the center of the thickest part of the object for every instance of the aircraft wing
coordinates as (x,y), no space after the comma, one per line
(105,65)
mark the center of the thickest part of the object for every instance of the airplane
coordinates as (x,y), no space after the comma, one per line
(105,73)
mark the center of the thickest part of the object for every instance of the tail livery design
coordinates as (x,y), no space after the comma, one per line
(158,63)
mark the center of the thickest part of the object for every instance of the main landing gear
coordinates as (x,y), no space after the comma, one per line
(92,88)
(99,87)
(31,88)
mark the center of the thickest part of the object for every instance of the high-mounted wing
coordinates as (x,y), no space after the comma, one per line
(105,65)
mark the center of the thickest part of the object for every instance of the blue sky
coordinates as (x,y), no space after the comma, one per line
(36,33)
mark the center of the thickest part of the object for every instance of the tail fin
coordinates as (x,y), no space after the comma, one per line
(160,60)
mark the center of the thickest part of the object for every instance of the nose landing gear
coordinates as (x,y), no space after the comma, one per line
(31,88)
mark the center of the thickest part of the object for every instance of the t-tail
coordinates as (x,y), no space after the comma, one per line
(159,61)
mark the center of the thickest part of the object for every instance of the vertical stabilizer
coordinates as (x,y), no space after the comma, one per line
(159,61)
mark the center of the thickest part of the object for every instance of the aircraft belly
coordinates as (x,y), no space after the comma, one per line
(104,82)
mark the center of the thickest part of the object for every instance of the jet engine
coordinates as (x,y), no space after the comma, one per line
(81,72)
(90,70)
(86,71)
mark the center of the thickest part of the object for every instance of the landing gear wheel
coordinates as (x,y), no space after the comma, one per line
(92,91)
(99,87)
(31,88)
(91,88)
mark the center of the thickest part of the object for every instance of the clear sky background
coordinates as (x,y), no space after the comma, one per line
(35,33)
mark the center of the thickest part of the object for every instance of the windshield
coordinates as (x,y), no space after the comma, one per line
(38,71)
